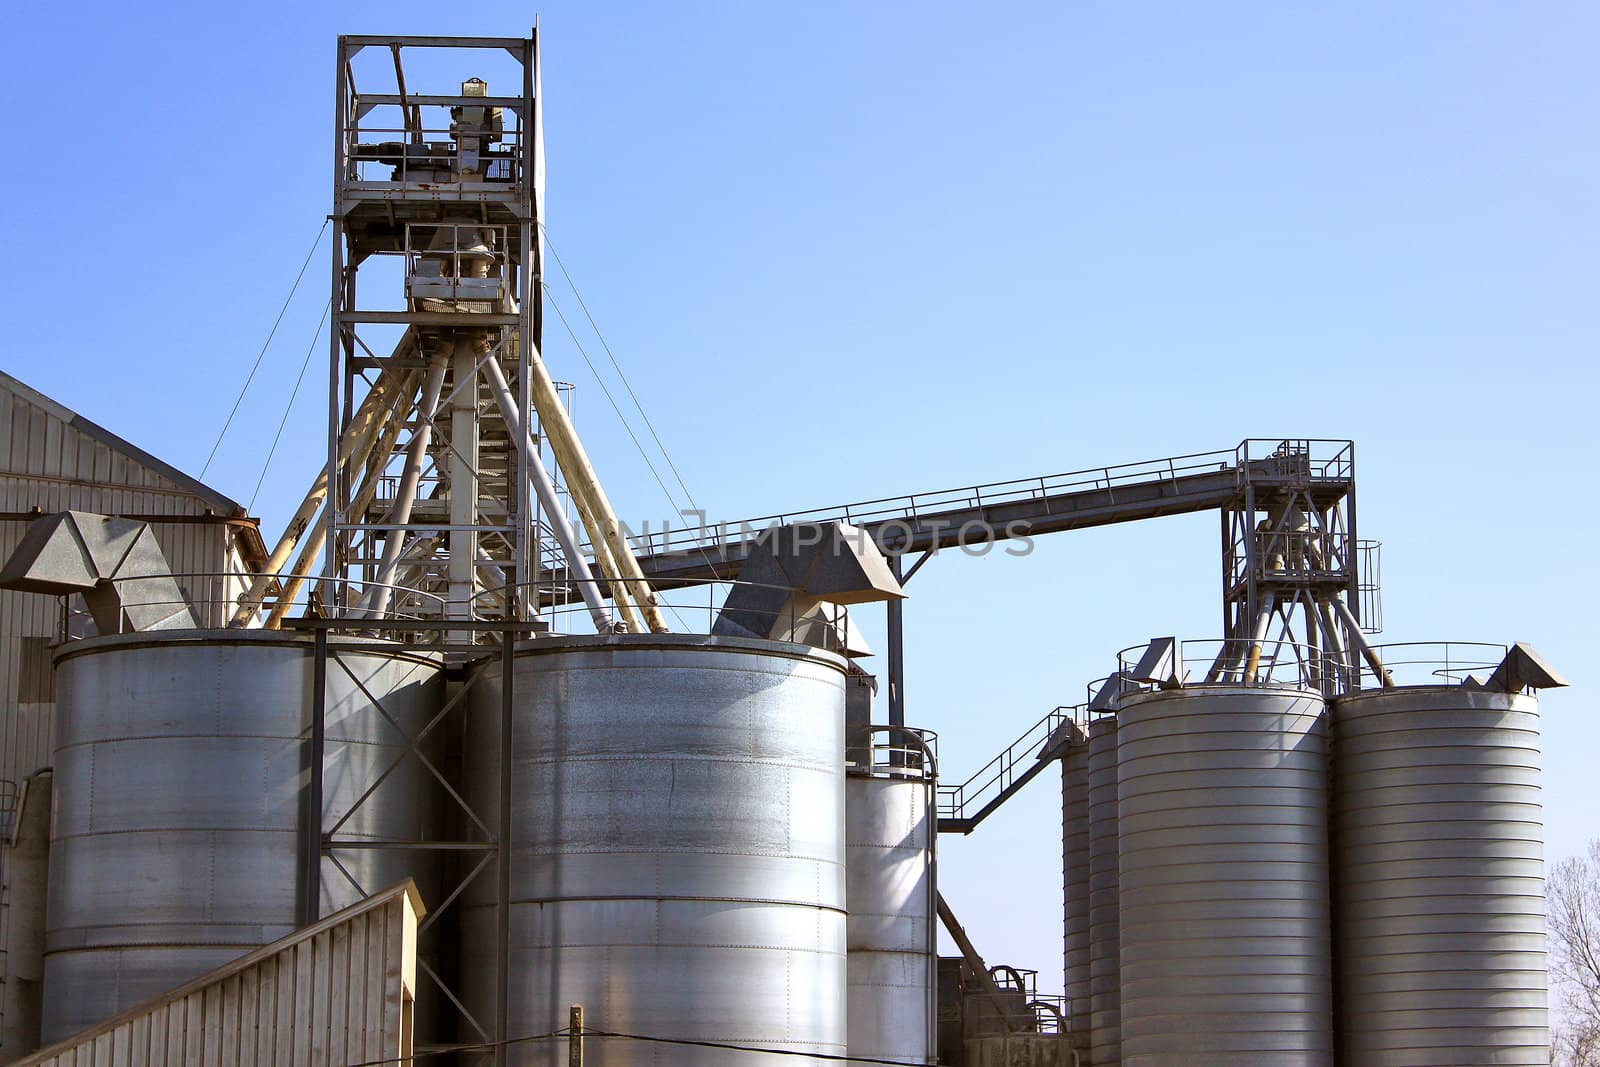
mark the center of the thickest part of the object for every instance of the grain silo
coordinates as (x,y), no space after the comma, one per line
(1223,877)
(890,826)
(180,803)
(1105,901)
(1075,867)
(669,851)
(1439,874)
(678,845)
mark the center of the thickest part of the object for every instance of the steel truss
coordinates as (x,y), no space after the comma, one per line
(1290,552)
(488,854)
(448,191)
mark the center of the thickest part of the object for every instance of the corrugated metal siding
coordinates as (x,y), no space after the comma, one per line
(48,464)
(337,992)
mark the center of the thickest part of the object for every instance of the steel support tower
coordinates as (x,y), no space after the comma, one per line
(439,196)
(1291,564)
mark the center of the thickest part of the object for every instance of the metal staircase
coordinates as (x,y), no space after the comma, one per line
(962,807)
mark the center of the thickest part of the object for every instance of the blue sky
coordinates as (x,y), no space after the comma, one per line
(851,250)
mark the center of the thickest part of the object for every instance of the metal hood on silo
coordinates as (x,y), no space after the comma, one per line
(115,564)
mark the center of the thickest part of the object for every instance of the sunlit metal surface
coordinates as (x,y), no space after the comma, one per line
(179,777)
(678,858)
(889,830)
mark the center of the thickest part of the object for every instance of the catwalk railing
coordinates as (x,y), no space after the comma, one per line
(963,806)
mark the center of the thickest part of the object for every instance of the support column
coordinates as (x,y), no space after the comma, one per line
(897,656)
(311,813)
(463,483)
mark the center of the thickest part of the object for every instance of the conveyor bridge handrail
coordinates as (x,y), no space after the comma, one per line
(1048,504)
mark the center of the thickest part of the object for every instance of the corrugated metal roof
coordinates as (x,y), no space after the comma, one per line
(333,993)
(52,459)
(222,504)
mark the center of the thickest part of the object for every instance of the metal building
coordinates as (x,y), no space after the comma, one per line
(335,992)
(53,459)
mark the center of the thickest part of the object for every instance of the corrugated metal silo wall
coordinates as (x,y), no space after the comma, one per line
(1223,843)
(1105,980)
(175,841)
(1075,888)
(1440,905)
(679,840)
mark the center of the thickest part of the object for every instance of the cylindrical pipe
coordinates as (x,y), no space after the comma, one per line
(1359,639)
(621,594)
(602,553)
(1259,637)
(363,429)
(406,494)
(375,461)
(545,488)
(1335,645)
(583,480)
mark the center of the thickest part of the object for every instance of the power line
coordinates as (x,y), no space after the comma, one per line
(589,1031)
(613,400)
(624,420)
(290,406)
(483,1046)
(264,346)
(595,326)
(829,1057)
(612,356)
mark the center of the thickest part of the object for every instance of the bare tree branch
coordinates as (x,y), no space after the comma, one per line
(1574,900)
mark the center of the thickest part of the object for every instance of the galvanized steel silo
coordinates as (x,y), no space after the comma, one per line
(892,973)
(1105,978)
(678,849)
(1075,889)
(1222,821)
(179,787)
(1440,907)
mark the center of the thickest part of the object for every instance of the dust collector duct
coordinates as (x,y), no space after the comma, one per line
(678,850)
(179,779)
(1222,820)
(1105,979)
(1440,905)
(1075,889)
